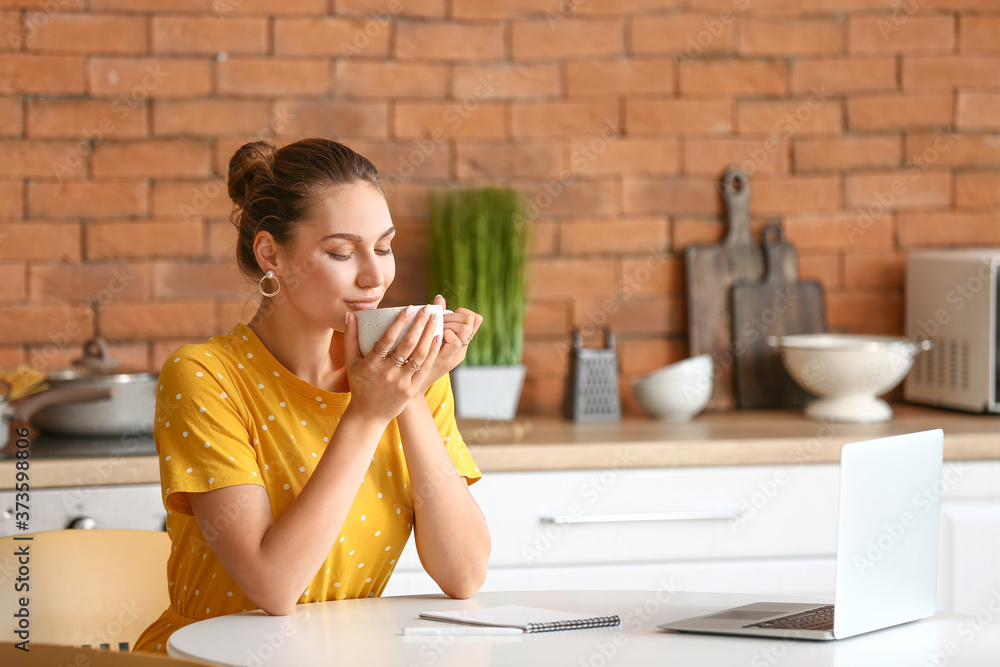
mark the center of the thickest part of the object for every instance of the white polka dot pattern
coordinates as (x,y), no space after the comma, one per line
(256,423)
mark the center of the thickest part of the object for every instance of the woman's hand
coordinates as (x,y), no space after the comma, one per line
(459,328)
(383,382)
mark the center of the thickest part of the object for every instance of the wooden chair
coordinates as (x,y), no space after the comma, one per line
(46,655)
(87,588)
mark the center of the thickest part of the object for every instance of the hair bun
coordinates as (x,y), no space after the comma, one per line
(249,162)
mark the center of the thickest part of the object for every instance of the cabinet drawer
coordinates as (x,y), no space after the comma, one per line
(811,577)
(663,514)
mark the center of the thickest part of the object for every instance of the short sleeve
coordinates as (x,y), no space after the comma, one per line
(442,404)
(201,434)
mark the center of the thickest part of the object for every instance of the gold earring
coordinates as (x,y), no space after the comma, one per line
(260,284)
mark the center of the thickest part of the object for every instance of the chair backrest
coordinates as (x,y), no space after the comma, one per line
(98,588)
(44,655)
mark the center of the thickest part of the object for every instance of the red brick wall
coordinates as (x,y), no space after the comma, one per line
(118,117)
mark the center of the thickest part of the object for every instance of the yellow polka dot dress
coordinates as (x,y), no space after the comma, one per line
(228,413)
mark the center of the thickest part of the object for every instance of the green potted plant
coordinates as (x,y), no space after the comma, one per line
(480,247)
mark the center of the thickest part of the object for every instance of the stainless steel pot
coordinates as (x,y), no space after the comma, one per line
(6,414)
(22,409)
(95,398)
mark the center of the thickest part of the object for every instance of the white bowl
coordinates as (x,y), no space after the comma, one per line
(677,392)
(847,372)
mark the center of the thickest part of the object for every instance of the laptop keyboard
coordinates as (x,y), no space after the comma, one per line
(820,618)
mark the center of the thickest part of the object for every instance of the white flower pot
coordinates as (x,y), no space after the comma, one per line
(487,392)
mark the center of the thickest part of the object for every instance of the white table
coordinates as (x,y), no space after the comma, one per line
(368,632)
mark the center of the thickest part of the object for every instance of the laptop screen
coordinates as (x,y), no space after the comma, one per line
(888,540)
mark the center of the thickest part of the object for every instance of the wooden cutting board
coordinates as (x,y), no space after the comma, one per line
(776,307)
(711,272)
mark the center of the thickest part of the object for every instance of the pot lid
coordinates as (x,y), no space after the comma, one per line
(95,363)
(96,356)
(94,374)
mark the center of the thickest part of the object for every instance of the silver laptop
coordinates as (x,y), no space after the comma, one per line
(887,549)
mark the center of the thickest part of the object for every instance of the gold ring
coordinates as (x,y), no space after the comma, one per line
(380,352)
(416,366)
(400,361)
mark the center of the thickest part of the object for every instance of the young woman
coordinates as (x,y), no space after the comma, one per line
(293,468)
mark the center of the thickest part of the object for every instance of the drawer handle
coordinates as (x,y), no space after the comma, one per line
(709,515)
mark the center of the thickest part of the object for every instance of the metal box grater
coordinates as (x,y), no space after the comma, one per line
(592,383)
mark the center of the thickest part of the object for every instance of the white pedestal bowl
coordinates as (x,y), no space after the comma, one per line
(847,372)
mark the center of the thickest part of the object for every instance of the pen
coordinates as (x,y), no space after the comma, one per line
(458,630)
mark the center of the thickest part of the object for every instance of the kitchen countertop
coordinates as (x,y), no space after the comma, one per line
(758,437)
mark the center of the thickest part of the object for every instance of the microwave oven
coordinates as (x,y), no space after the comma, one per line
(951,299)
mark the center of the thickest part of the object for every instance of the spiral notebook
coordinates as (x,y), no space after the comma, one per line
(528,619)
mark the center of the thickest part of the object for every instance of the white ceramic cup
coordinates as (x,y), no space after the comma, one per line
(373,323)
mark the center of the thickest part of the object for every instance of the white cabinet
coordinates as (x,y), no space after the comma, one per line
(767,529)
(746,529)
(970,539)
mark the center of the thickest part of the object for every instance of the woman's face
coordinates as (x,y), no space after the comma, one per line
(341,258)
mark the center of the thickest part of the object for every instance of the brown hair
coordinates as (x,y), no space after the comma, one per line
(274,189)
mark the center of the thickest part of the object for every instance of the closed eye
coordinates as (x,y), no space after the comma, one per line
(387,251)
